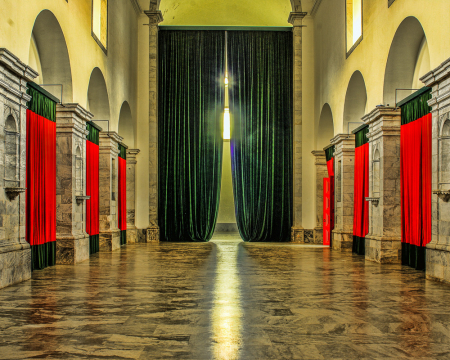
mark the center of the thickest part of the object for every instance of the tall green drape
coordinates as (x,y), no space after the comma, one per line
(260,66)
(190,144)
(329,153)
(415,106)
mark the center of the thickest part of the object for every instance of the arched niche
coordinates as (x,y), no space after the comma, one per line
(126,125)
(355,102)
(408,60)
(232,12)
(49,53)
(98,99)
(325,131)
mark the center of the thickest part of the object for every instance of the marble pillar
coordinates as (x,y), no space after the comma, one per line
(131,196)
(108,190)
(383,242)
(344,156)
(321,173)
(155,17)
(72,241)
(438,250)
(15,253)
(297,231)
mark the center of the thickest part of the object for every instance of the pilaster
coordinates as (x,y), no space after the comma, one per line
(321,172)
(344,155)
(108,190)
(383,242)
(155,17)
(72,241)
(297,231)
(131,195)
(15,253)
(438,250)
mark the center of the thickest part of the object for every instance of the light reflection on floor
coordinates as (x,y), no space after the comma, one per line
(227,309)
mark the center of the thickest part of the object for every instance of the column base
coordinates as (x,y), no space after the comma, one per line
(384,249)
(153,234)
(109,240)
(437,264)
(131,235)
(297,235)
(141,235)
(71,250)
(15,264)
(342,241)
(318,236)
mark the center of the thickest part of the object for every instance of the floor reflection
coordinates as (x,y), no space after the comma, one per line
(227,308)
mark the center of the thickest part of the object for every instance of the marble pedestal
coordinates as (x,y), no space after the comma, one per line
(344,155)
(72,241)
(438,250)
(321,173)
(383,242)
(15,253)
(108,190)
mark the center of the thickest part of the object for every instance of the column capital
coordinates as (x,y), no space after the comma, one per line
(109,142)
(131,155)
(72,118)
(155,17)
(295,18)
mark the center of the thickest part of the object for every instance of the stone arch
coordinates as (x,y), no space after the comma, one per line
(98,99)
(296,5)
(325,131)
(355,102)
(10,124)
(49,52)
(408,60)
(126,125)
(445,129)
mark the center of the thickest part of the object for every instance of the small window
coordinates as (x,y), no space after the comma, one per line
(100,22)
(354,22)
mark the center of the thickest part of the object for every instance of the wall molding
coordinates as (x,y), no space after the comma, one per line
(136,6)
(315,7)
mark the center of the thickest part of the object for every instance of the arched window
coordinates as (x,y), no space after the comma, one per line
(11,153)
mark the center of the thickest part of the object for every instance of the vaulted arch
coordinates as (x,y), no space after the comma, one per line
(408,60)
(325,131)
(98,99)
(49,53)
(126,125)
(355,102)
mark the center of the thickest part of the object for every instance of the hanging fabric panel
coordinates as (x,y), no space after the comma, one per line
(329,155)
(92,187)
(122,195)
(191,106)
(361,191)
(41,178)
(415,168)
(260,66)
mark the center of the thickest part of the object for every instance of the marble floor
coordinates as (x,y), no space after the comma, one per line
(225,300)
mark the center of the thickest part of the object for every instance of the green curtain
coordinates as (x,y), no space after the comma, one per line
(122,151)
(94,133)
(43,255)
(361,136)
(416,106)
(94,244)
(329,153)
(41,103)
(190,144)
(260,66)
(123,237)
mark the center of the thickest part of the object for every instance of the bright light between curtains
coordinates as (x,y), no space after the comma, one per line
(226,124)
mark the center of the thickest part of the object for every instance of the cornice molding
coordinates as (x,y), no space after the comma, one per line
(315,7)
(136,6)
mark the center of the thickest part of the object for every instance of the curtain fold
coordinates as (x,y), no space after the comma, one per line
(41,189)
(415,165)
(191,104)
(122,195)
(92,188)
(260,66)
(361,191)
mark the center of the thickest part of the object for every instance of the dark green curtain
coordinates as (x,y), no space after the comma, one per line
(94,133)
(122,151)
(329,153)
(123,237)
(42,102)
(43,255)
(361,136)
(94,244)
(260,66)
(416,106)
(190,144)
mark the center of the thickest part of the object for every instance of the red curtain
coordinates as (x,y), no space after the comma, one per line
(40,180)
(330,168)
(361,191)
(415,165)
(122,206)
(92,185)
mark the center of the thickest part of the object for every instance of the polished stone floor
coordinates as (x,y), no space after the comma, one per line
(225,300)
